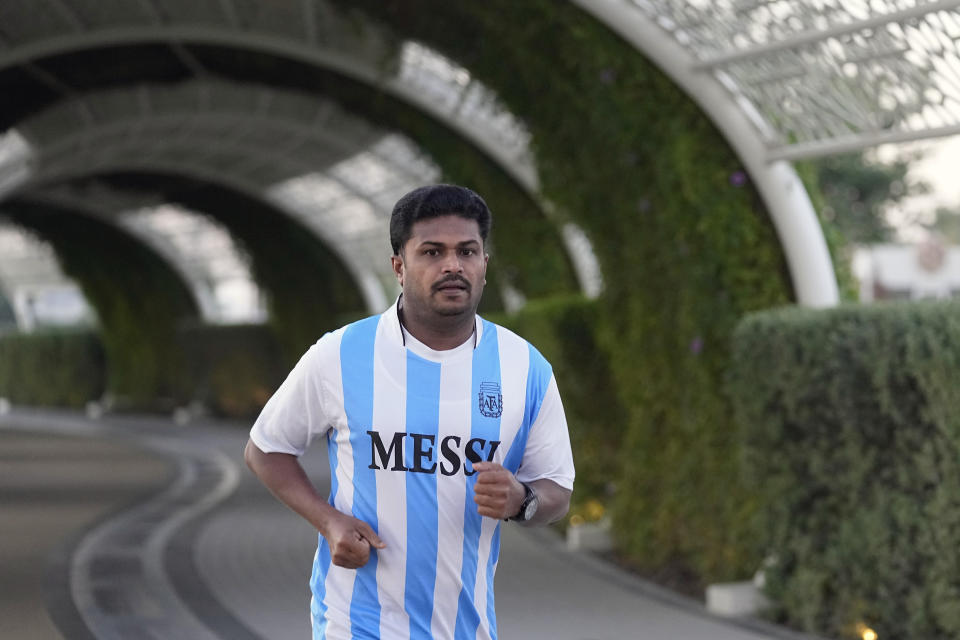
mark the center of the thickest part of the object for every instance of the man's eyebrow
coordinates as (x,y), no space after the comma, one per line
(441,244)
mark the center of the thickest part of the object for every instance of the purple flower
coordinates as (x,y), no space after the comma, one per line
(738,178)
(696,346)
(608,76)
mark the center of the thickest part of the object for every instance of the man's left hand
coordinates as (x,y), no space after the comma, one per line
(498,493)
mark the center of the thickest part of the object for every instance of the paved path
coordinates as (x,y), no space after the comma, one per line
(52,487)
(210,554)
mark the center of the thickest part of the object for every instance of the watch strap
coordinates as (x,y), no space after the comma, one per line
(529,496)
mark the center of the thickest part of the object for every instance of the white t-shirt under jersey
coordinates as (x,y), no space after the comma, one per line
(404,425)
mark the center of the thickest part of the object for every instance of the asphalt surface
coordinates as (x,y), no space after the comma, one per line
(52,487)
(133,527)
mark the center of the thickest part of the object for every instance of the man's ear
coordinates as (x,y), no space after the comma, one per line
(396,261)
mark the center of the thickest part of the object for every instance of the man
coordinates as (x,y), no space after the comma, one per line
(440,425)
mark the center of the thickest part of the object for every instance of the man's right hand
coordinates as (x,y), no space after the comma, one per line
(350,540)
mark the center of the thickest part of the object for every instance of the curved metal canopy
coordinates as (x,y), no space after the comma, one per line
(820,75)
(312,32)
(793,79)
(336,174)
(825,76)
(783,79)
(200,250)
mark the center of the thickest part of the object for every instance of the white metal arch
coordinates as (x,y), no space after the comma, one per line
(28,266)
(370,286)
(133,114)
(202,294)
(794,217)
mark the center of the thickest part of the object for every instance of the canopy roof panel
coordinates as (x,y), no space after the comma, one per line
(56,48)
(205,253)
(826,76)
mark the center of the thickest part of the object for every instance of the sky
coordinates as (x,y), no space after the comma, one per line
(940,168)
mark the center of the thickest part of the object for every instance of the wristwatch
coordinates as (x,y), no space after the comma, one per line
(529,505)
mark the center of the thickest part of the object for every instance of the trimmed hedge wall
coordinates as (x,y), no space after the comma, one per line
(52,368)
(852,437)
(231,370)
(235,369)
(685,245)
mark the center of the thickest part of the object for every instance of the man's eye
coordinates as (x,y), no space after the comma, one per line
(432,252)
(468,252)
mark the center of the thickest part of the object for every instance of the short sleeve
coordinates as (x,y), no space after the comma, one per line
(295,414)
(548,454)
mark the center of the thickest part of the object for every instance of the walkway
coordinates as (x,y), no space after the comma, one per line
(207,553)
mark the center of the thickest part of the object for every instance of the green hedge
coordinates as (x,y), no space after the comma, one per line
(563,330)
(231,370)
(852,437)
(52,368)
(234,369)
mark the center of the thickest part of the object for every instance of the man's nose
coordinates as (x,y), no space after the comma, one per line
(451,263)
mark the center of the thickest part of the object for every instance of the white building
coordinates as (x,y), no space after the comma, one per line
(929,269)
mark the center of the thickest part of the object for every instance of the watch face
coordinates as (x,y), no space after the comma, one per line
(531,507)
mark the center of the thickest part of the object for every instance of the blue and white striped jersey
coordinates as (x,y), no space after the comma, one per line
(404,425)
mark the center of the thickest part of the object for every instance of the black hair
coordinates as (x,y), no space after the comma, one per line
(434,201)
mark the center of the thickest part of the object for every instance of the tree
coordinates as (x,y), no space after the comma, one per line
(946,224)
(859,191)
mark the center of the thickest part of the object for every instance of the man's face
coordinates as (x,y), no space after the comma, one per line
(442,266)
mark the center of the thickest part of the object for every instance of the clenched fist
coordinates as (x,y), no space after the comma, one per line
(350,540)
(498,493)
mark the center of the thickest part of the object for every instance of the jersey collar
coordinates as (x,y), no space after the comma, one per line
(396,323)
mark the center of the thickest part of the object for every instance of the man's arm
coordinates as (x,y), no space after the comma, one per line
(499,494)
(350,539)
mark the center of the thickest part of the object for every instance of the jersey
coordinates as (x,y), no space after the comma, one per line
(404,425)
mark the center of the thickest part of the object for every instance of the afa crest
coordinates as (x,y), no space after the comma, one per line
(490,399)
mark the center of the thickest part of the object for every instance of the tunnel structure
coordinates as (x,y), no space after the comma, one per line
(637,153)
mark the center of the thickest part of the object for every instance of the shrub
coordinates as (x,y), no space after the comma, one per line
(234,369)
(852,443)
(52,368)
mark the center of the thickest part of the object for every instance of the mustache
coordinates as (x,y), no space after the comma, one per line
(452,279)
